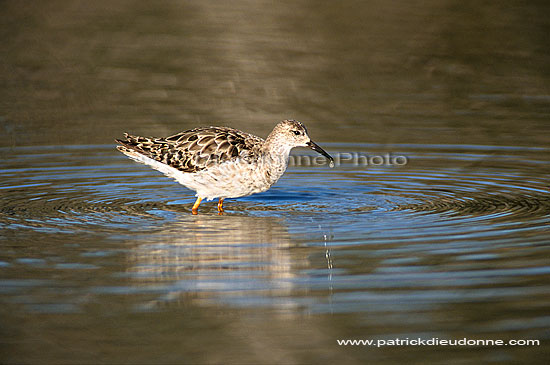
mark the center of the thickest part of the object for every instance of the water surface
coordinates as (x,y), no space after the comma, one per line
(101,260)
(365,251)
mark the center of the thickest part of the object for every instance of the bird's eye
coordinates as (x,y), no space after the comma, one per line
(297,132)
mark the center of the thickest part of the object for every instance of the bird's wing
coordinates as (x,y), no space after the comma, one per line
(195,149)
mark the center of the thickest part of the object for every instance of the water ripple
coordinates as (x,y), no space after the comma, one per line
(432,235)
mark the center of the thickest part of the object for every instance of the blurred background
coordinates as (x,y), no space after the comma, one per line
(80,72)
(101,260)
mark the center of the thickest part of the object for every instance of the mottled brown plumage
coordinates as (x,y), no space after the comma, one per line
(221,162)
(195,149)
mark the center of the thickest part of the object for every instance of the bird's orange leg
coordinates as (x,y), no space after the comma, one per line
(195,209)
(220,206)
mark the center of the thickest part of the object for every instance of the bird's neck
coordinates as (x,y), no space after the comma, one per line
(275,150)
(275,158)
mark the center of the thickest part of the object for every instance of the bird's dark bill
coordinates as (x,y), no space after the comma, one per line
(316,148)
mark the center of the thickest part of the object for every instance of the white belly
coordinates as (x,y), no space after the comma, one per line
(227,180)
